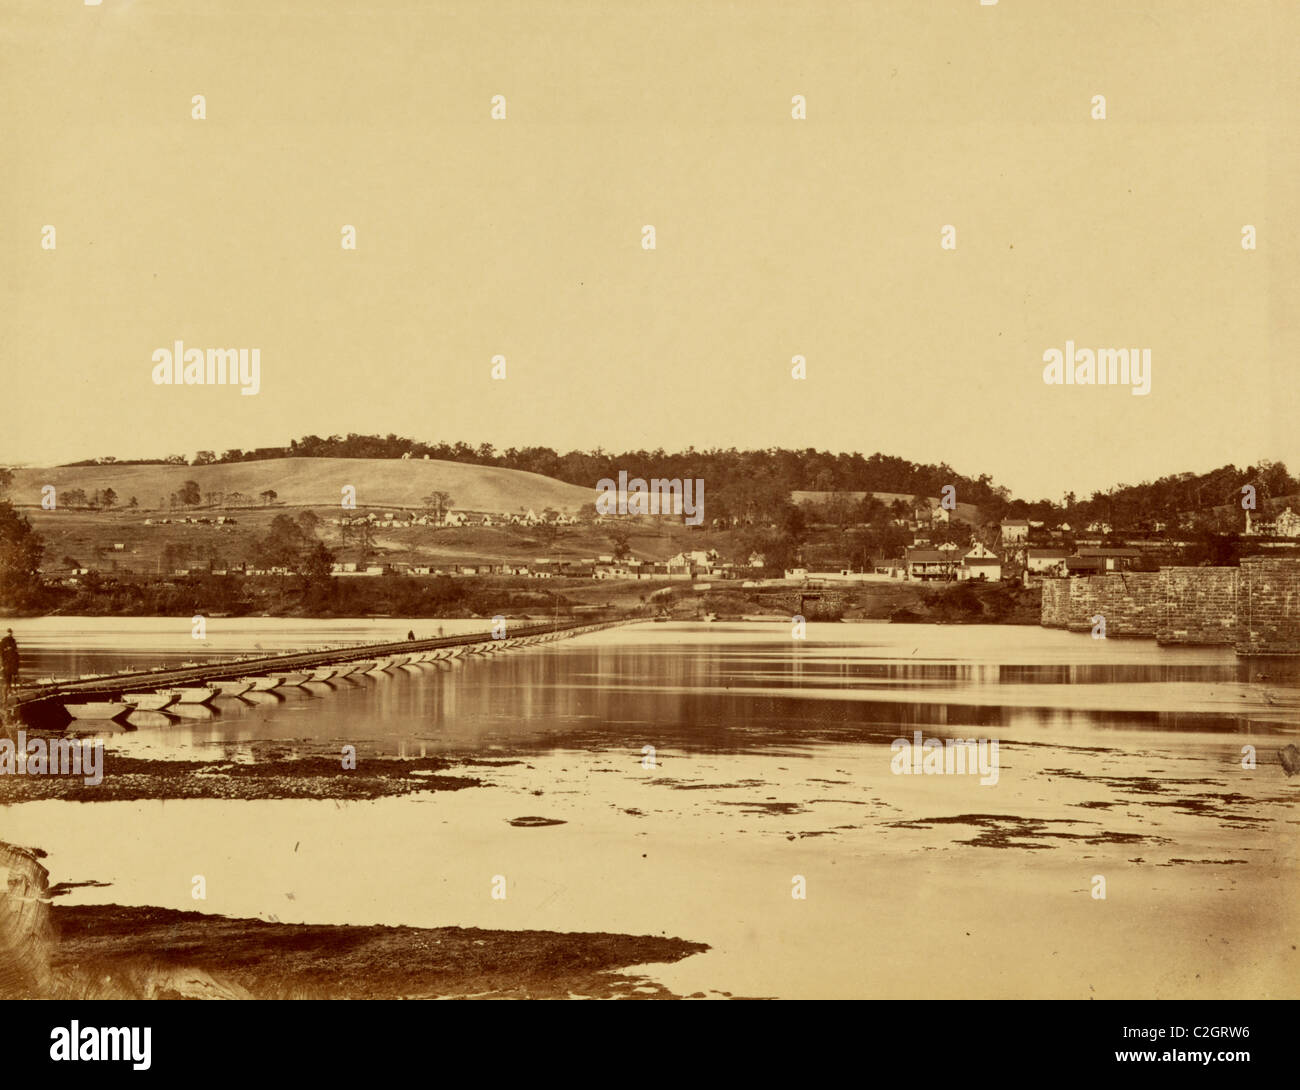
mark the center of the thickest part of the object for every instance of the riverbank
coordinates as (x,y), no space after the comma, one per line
(521,598)
(117,952)
(897,602)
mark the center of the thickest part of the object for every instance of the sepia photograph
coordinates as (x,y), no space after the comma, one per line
(664,499)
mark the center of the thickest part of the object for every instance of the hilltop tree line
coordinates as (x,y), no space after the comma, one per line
(1209,501)
(739,483)
(752,485)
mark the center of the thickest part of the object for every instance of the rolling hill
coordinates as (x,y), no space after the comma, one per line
(379,482)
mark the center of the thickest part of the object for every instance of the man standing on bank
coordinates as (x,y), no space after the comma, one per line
(9,662)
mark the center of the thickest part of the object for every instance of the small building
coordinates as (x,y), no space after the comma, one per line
(1015,531)
(927,565)
(1287,524)
(1046,561)
(980,568)
(1116,559)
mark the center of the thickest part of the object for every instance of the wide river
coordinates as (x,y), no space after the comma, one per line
(1123,768)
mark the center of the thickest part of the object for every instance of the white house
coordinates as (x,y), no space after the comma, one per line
(1287,524)
(697,560)
(1015,530)
(1046,561)
(981,563)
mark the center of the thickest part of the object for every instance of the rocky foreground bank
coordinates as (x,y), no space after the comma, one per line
(52,951)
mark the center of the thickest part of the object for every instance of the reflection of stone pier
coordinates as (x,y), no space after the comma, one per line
(26,933)
(1254,608)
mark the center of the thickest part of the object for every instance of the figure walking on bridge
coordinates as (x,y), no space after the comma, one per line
(9,663)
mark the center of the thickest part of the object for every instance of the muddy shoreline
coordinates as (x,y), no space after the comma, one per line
(117,952)
(267,770)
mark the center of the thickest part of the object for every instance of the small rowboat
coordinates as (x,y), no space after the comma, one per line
(229,688)
(97,709)
(151,702)
(193,696)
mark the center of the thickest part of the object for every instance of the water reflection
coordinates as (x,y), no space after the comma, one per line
(737,688)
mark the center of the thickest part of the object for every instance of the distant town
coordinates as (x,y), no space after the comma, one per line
(1012,549)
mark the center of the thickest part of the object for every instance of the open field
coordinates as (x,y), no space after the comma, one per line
(299,481)
(90,537)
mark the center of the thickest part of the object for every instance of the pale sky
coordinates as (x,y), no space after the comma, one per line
(775,237)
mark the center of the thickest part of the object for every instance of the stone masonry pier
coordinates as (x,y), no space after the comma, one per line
(1254,608)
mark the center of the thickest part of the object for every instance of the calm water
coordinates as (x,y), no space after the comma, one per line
(772,760)
(744,687)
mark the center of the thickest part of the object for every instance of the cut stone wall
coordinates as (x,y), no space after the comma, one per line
(1268,606)
(1199,606)
(1254,608)
(1130,602)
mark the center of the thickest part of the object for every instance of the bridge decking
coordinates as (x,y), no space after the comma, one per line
(111,686)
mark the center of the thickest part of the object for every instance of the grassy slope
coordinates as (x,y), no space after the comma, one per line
(78,534)
(378,481)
